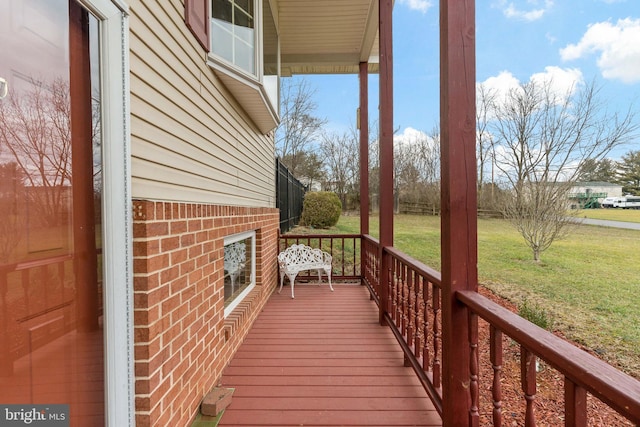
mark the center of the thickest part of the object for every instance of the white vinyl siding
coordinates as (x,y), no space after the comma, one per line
(190,140)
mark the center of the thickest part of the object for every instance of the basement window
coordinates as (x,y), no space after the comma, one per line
(239,268)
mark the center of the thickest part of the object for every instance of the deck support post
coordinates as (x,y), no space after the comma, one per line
(386,149)
(363,125)
(458,201)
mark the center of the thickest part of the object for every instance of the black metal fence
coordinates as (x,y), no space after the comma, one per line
(289,196)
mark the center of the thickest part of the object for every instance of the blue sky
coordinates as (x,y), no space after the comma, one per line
(572,41)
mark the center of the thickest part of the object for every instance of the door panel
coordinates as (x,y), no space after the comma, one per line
(51,338)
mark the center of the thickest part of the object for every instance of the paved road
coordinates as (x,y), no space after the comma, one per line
(616,224)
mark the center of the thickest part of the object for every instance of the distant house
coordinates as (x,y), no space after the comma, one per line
(591,194)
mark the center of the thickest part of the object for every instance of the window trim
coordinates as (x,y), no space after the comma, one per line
(236,238)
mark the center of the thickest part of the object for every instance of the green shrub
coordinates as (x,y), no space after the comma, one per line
(321,209)
(536,315)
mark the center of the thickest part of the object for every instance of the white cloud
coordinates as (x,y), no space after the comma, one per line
(513,11)
(561,81)
(501,85)
(409,135)
(419,5)
(551,38)
(531,15)
(618,45)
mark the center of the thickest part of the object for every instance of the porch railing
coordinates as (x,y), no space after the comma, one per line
(409,296)
(345,249)
(582,372)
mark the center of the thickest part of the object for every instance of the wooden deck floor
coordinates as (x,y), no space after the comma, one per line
(323,360)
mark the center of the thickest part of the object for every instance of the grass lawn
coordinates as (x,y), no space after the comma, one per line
(628,215)
(590,281)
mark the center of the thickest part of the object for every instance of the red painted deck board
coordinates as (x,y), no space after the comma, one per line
(321,359)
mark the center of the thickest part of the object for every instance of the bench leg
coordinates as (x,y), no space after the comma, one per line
(328,275)
(281,281)
(292,281)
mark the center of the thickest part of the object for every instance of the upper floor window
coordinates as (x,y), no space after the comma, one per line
(233,32)
(242,39)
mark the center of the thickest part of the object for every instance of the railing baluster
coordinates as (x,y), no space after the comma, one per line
(416,309)
(355,258)
(342,256)
(495,356)
(403,299)
(393,283)
(575,404)
(474,388)
(399,292)
(406,310)
(436,338)
(410,308)
(394,290)
(426,352)
(528,380)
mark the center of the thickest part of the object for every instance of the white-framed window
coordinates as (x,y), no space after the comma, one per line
(239,268)
(233,33)
(243,48)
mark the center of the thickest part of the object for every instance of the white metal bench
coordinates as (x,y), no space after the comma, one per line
(297,258)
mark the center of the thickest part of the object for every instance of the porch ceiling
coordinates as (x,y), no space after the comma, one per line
(327,36)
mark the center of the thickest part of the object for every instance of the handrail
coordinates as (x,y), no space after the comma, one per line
(615,388)
(433,275)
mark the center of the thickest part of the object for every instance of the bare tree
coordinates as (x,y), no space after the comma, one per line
(374,165)
(11,202)
(35,127)
(339,152)
(543,139)
(299,127)
(486,99)
(417,169)
(486,105)
(405,174)
(311,169)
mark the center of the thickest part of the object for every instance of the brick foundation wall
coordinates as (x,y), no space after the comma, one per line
(182,340)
